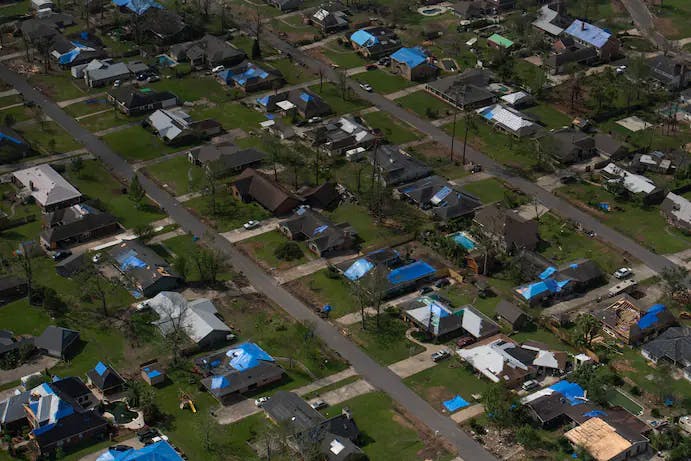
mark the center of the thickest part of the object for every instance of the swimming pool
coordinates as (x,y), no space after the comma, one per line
(165,60)
(464,240)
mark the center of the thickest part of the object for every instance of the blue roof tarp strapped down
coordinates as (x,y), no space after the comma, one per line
(410,272)
(219,382)
(411,57)
(547,272)
(588,33)
(595,413)
(159,451)
(247,356)
(264,101)
(100,368)
(364,38)
(455,403)
(571,391)
(306,96)
(250,72)
(650,318)
(69,56)
(152,372)
(131,261)
(138,7)
(441,195)
(320,229)
(10,139)
(358,269)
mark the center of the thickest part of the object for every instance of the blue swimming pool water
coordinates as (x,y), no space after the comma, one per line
(463,240)
(165,60)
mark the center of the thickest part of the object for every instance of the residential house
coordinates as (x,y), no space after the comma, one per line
(511,314)
(439,198)
(12,146)
(148,273)
(604,442)
(605,43)
(518,99)
(433,316)
(413,64)
(276,127)
(12,414)
(677,210)
(153,373)
(104,378)
(499,42)
(199,318)
(468,9)
(322,236)
(395,166)
(326,196)
(250,78)
(176,126)
(336,137)
(497,6)
(74,224)
(137,7)
(672,346)
(508,120)
(550,21)
(242,368)
(375,42)
(104,72)
(626,321)
(301,101)
(58,342)
(208,52)
(634,183)
(161,450)
(42,5)
(11,288)
(72,265)
(132,101)
(14,350)
(566,51)
(163,27)
(507,228)
(608,146)
(253,186)
(477,324)
(48,188)
(553,283)
(333,438)
(225,158)
(75,392)
(467,90)
(672,72)
(285,5)
(567,145)
(331,17)
(658,162)
(69,52)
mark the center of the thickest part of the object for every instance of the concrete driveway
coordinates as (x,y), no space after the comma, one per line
(240,234)
(37,365)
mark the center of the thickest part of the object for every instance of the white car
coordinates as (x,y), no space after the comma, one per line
(251,225)
(623,272)
(620,69)
(142,305)
(319,404)
(96,258)
(366,86)
(218,69)
(261,401)
(116,83)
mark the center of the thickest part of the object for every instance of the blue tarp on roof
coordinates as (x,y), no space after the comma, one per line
(100,368)
(412,57)
(320,229)
(650,318)
(159,451)
(656,309)
(595,413)
(358,269)
(455,403)
(138,7)
(438,310)
(10,138)
(441,195)
(129,260)
(364,38)
(69,56)
(306,96)
(573,392)
(219,382)
(588,33)
(151,372)
(250,72)
(410,272)
(247,356)
(264,101)
(547,272)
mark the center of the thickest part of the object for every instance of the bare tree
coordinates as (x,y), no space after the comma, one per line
(97,286)
(211,182)
(174,323)
(275,148)
(342,82)
(26,266)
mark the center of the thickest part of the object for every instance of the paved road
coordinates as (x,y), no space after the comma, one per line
(643,18)
(561,207)
(380,377)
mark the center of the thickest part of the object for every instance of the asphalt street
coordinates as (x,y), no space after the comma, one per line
(643,19)
(557,205)
(378,376)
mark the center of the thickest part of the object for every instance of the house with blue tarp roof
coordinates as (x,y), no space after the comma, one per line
(13,147)
(414,64)
(433,316)
(237,369)
(104,378)
(137,7)
(553,283)
(147,271)
(300,100)
(250,78)
(589,35)
(625,320)
(158,451)
(438,197)
(375,42)
(320,233)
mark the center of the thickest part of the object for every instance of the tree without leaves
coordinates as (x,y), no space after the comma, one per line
(26,267)
(209,264)
(97,286)
(176,329)
(181,265)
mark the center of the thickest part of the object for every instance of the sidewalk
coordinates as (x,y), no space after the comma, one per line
(44,159)
(69,102)
(328,39)
(405,91)
(240,234)
(309,268)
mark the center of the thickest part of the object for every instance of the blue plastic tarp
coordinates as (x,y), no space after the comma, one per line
(100,368)
(358,269)
(159,451)
(588,33)
(573,392)
(595,413)
(547,272)
(412,57)
(455,403)
(410,272)
(364,38)
(10,139)
(219,382)
(247,356)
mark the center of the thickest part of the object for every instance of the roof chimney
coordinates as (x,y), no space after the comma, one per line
(582,25)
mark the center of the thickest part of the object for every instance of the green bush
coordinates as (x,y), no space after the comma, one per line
(288,251)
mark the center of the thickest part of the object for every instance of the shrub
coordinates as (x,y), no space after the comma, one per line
(288,251)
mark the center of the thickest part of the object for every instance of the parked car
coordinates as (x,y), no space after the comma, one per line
(153,78)
(441,355)
(464,341)
(218,69)
(623,272)
(117,83)
(366,86)
(261,401)
(371,67)
(251,224)
(61,254)
(319,404)
(96,258)
(314,120)
(529,385)
(147,433)
(425,289)
(441,283)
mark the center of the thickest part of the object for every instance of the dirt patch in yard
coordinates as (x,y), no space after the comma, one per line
(437,394)
(622,366)
(434,446)
(666,27)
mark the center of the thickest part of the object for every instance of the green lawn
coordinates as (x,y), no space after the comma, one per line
(42,135)
(137,144)
(11,100)
(358,217)
(446,380)
(334,291)
(14,9)
(615,397)
(382,81)
(292,73)
(388,344)
(645,225)
(462,294)
(263,247)
(332,95)
(100,122)
(230,115)
(23,319)
(343,57)
(193,88)
(487,190)
(543,336)
(20,113)
(96,183)
(230,213)
(178,174)
(393,130)
(387,433)
(654,380)
(88,107)
(425,105)
(184,245)
(549,116)
(678,12)
(62,86)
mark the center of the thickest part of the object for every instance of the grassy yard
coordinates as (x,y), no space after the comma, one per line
(425,105)
(230,115)
(177,174)
(62,86)
(19,114)
(358,217)
(184,245)
(292,72)
(193,88)
(343,57)
(645,225)
(675,18)
(23,319)
(332,95)
(387,431)
(462,294)
(615,397)
(382,81)
(14,9)
(11,100)
(549,116)
(387,344)
(48,137)
(263,246)
(656,381)
(96,183)
(334,291)
(230,213)
(444,381)
(394,131)
(89,106)
(487,190)
(543,336)
(137,144)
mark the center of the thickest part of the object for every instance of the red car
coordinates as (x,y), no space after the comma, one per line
(464,341)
